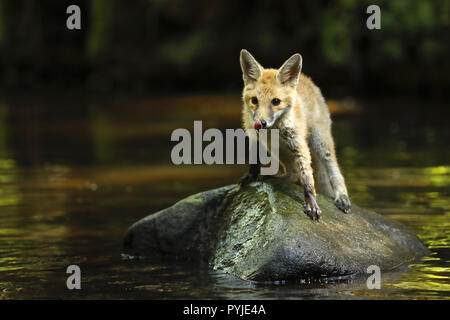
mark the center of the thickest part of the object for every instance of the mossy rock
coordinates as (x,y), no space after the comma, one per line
(260,232)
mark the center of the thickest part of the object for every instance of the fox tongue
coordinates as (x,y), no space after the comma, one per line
(258,125)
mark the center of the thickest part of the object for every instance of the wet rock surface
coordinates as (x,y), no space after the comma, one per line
(260,232)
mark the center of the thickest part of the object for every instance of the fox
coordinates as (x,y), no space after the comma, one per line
(288,100)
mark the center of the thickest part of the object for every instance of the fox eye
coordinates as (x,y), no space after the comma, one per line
(255,100)
(276,101)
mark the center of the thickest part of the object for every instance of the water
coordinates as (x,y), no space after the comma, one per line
(76,172)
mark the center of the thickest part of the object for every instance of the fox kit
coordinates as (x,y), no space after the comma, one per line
(288,100)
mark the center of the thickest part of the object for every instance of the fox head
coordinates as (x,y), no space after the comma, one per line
(268,93)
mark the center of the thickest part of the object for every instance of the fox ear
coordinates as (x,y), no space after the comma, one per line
(251,69)
(289,72)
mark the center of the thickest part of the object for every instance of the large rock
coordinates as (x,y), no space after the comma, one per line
(261,233)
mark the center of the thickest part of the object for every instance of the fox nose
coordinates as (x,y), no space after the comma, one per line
(259,124)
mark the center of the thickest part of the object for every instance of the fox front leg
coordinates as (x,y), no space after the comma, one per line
(253,173)
(312,209)
(300,149)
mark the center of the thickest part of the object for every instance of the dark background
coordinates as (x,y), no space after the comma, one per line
(86,118)
(160,47)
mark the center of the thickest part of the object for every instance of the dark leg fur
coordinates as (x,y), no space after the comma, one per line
(251,176)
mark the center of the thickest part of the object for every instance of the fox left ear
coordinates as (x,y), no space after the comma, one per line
(289,72)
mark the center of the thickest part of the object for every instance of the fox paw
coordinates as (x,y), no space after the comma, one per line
(312,209)
(343,203)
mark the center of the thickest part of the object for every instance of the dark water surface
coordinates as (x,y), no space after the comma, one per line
(76,172)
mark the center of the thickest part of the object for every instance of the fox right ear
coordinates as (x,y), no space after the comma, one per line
(289,72)
(251,69)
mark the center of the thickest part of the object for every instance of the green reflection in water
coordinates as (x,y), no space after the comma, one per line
(9,194)
(419,198)
(9,264)
(102,134)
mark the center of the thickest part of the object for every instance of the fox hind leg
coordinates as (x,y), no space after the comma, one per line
(322,145)
(321,178)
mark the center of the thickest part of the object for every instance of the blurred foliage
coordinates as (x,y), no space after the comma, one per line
(102,12)
(2,20)
(181,45)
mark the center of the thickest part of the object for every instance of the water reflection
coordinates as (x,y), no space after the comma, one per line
(73,178)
